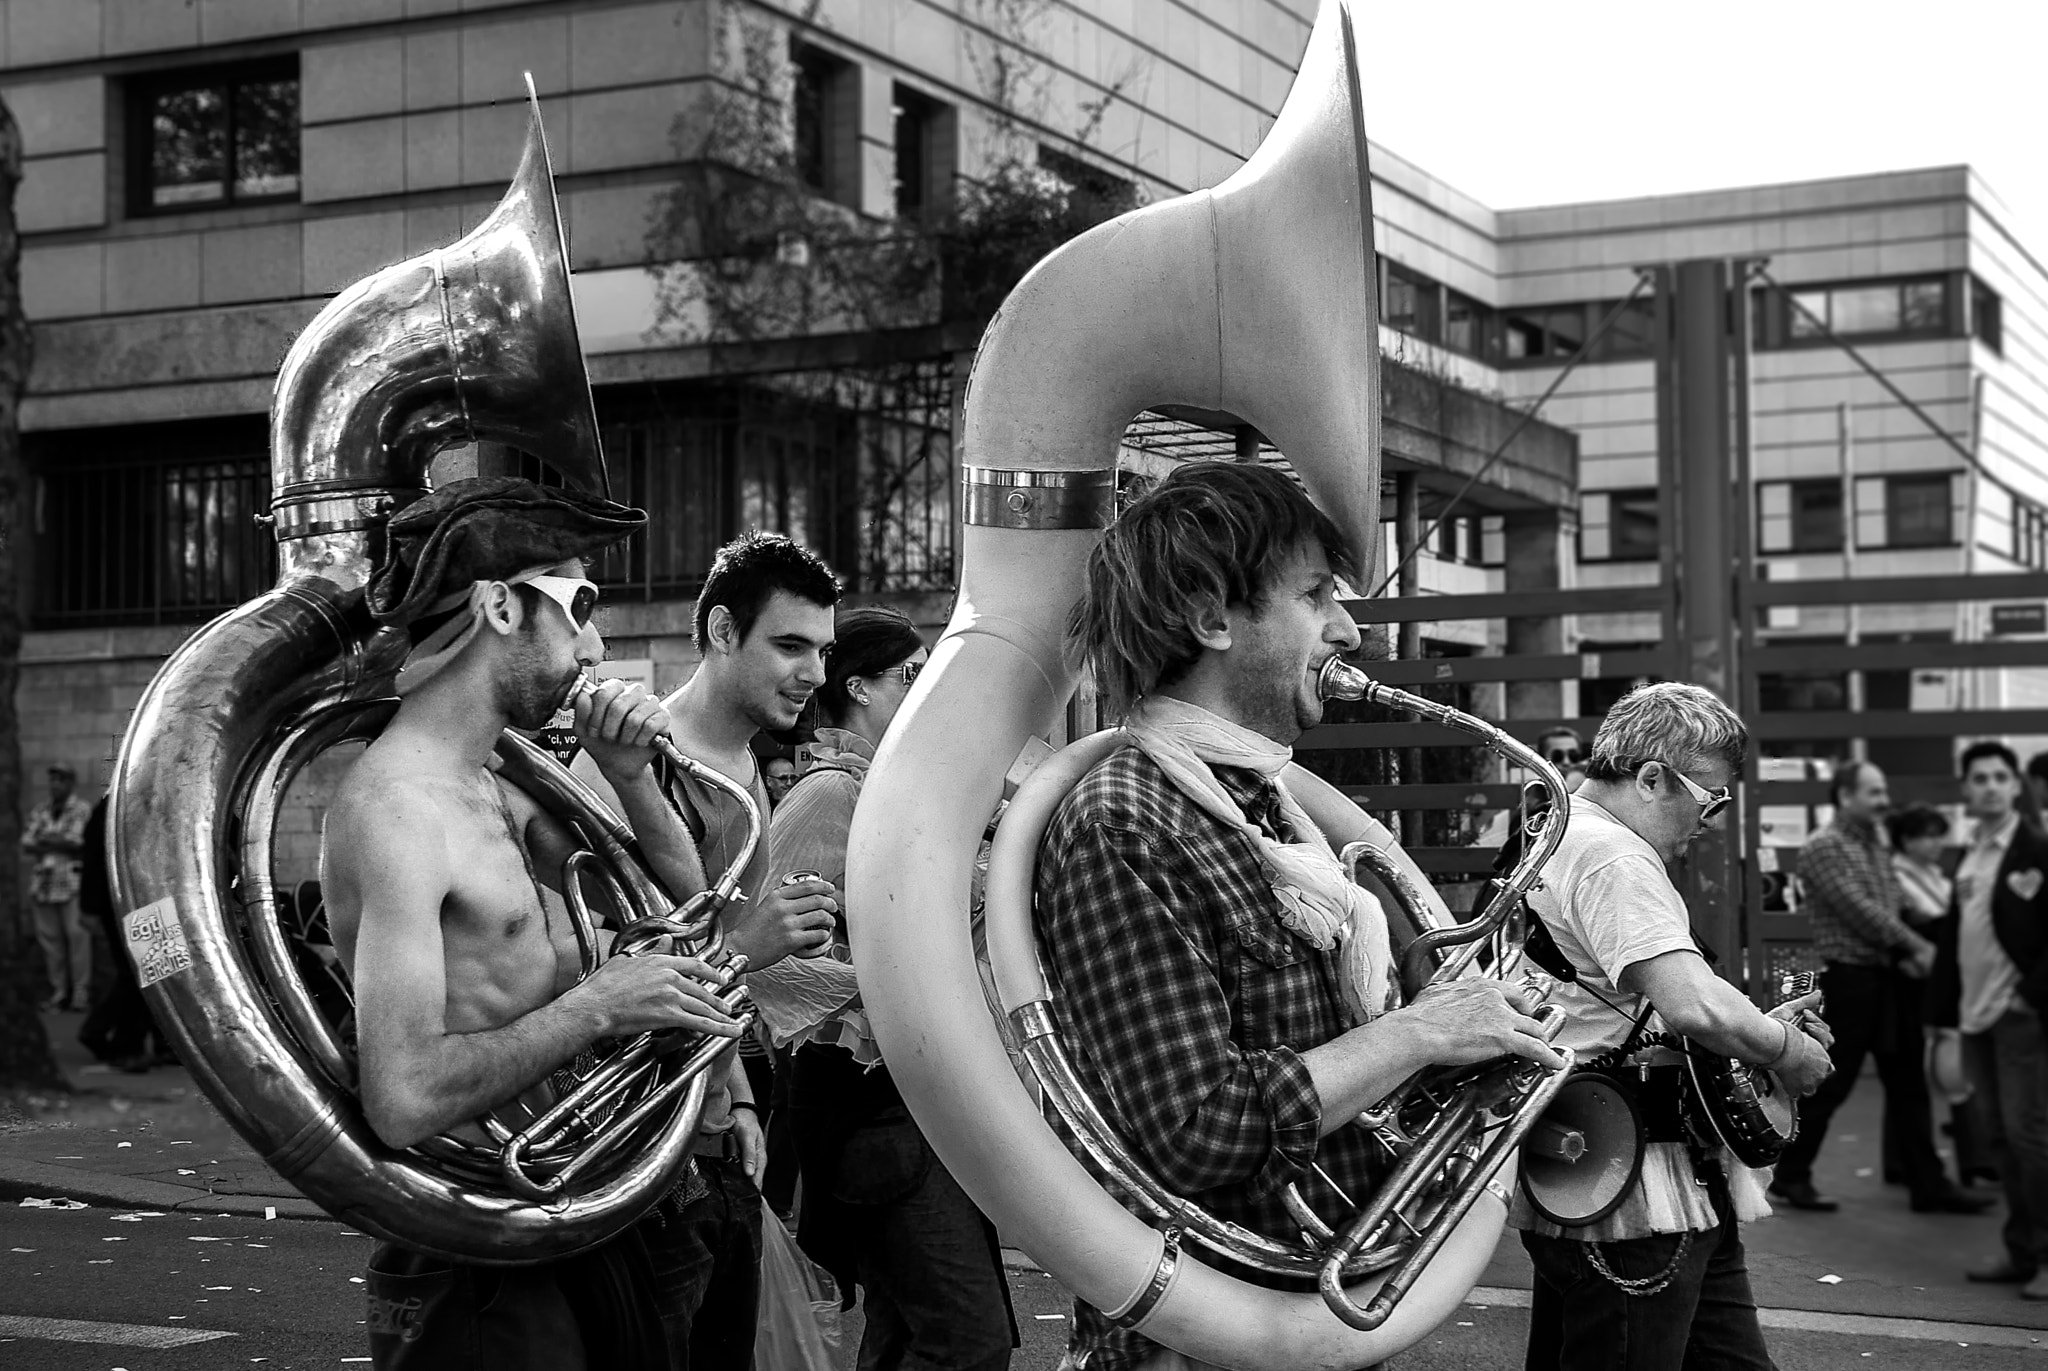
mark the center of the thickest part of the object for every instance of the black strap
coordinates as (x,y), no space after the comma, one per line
(679,799)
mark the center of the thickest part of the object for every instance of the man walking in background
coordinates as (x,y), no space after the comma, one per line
(54,835)
(1871,955)
(1991,981)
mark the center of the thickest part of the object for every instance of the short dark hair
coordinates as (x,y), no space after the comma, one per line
(746,573)
(1847,772)
(1212,534)
(1917,821)
(1977,752)
(2037,766)
(866,641)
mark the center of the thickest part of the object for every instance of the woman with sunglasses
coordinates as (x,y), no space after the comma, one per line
(1660,1280)
(878,1208)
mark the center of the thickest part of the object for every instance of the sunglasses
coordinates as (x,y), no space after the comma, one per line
(576,596)
(1711,802)
(910,670)
(1565,756)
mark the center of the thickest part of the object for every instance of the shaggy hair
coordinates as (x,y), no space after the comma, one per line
(1212,534)
(748,571)
(1669,721)
(1917,821)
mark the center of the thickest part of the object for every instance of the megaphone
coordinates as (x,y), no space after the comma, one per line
(1583,1156)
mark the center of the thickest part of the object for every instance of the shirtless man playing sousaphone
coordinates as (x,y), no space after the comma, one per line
(441,886)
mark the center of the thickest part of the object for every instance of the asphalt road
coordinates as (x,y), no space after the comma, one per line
(94,1289)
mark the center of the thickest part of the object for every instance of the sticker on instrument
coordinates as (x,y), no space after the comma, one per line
(156,940)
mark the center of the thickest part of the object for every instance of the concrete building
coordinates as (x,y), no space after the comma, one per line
(203,174)
(1918,270)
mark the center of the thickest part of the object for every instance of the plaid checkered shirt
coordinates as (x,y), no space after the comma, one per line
(1185,1004)
(1853,896)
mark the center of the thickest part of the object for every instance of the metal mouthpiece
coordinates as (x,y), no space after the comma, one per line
(1339,680)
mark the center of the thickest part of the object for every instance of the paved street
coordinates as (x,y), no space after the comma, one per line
(173,1264)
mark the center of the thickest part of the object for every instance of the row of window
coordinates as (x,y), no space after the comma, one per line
(1910,511)
(1947,306)
(158,524)
(229,135)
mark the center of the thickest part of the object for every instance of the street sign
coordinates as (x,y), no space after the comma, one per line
(2011,619)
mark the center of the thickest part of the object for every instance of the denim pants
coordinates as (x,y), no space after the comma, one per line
(707,1271)
(2008,1071)
(1704,1320)
(926,1257)
(1874,1011)
(67,952)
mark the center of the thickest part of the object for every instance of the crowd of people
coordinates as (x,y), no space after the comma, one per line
(1230,994)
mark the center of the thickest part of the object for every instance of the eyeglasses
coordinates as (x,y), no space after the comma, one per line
(576,596)
(1565,756)
(910,670)
(1711,802)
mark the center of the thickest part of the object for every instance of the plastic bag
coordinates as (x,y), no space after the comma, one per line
(798,1325)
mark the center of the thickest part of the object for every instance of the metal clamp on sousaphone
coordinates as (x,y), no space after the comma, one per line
(473,342)
(1254,299)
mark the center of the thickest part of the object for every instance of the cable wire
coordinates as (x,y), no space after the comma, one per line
(1528,416)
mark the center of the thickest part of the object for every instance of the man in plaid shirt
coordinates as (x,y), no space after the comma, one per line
(1873,963)
(1224,987)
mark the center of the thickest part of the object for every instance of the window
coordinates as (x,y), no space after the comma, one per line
(2030,535)
(857,465)
(1987,316)
(1799,516)
(1468,325)
(1550,334)
(920,129)
(1411,304)
(212,137)
(149,526)
(1856,309)
(1919,511)
(1619,526)
(823,99)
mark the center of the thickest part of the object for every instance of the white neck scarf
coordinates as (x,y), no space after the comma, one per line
(1317,902)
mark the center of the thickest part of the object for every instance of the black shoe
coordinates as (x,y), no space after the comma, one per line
(1953,1202)
(1802,1195)
(2001,1271)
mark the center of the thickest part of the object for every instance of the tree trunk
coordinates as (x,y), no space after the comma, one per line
(25,1058)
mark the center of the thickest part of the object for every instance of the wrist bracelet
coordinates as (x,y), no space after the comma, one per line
(743,1104)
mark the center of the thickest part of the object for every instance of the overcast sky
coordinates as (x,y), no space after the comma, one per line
(1522,104)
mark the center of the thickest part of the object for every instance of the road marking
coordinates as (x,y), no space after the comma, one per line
(1813,1321)
(113,1334)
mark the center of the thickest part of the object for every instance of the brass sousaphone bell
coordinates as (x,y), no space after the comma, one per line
(473,342)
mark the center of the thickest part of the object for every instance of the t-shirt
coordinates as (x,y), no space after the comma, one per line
(1609,904)
(1607,901)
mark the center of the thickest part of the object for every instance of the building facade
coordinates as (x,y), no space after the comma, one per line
(202,175)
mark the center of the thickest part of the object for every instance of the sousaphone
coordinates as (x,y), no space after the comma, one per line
(473,342)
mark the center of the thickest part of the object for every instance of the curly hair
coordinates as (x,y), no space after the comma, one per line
(1211,535)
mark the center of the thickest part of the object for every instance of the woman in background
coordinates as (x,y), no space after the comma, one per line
(878,1207)
(1918,834)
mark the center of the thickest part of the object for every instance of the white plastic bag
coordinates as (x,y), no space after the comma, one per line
(798,1325)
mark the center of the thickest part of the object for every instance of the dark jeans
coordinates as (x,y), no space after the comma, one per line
(2008,1069)
(594,1310)
(707,1271)
(1874,1011)
(1704,1320)
(935,1294)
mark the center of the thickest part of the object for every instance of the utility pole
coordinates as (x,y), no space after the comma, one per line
(1695,445)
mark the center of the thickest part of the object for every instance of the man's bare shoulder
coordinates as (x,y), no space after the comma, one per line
(388,800)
